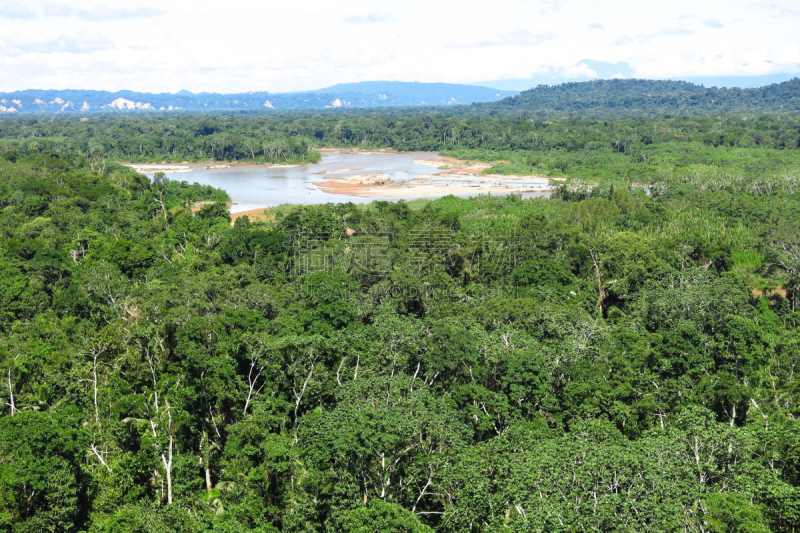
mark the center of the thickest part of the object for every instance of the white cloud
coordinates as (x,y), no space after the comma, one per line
(243,44)
(673,31)
(15,10)
(775,10)
(85,43)
(604,69)
(713,23)
(779,11)
(24,43)
(36,43)
(370,18)
(551,6)
(512,38)
(102,12)
(57,10)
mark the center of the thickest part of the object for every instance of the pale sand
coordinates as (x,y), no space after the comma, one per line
(530,180)
(341,171)
(166,169)
(261,215)
(357,151)
(423,186)
(460,168)
(457,165)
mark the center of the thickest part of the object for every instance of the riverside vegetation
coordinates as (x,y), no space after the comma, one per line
(620,357)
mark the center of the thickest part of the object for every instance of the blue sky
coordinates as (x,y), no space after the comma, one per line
(244,45)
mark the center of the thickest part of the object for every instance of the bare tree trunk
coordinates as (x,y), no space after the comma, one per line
(11,394)
(97,454)
(206,451)
(423,492)
(166,456)
(168,469)
(168,461)
(601,292)
(94,382)
(95,353)
(251,384)
(299,396)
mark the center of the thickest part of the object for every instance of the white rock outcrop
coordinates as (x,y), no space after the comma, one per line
(122,104)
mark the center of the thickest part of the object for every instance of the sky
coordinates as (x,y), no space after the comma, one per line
(233,46)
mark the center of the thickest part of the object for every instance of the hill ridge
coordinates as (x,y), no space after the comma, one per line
(363,94)
(650,97)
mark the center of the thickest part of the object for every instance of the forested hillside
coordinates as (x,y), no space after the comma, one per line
(649,97)
(620,357)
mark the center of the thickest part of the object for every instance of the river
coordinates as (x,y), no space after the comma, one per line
(259,186)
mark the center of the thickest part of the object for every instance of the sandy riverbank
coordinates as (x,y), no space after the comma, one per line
(152,169)
(425,186)
(356,151)
(457,165)
(260,215)
(169,168)
(456,177)
(340,171)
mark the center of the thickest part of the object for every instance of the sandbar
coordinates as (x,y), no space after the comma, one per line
(458,165)
(151,169)
(261,214)
(426,186)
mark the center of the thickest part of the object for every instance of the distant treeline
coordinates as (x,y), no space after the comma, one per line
(739,151)
(648,97)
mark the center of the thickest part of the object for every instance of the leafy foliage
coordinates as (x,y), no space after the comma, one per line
(618,357)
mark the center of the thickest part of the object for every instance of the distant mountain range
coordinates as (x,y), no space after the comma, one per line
(599,97)
(609,97)
(363,94)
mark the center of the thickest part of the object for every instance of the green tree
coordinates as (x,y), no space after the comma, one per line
(42,485)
